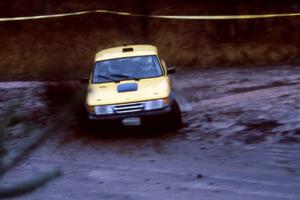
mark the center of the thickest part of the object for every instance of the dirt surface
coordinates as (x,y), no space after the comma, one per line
(240,141)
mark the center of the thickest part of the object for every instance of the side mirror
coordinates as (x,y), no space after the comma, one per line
(171,70)
(84,80)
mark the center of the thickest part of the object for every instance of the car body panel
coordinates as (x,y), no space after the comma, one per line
(148,89)
(117,52)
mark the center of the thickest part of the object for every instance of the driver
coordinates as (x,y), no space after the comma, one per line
(114,69)
(148,67)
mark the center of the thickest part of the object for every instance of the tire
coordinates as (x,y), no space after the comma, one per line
(175,118)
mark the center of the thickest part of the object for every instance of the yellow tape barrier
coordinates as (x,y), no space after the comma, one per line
(182,17)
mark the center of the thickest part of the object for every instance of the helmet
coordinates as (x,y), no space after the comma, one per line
(114,69)
(147,65)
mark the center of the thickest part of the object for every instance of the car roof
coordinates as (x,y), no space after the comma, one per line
(126,51)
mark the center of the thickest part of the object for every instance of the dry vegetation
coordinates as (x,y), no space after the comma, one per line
(64,48)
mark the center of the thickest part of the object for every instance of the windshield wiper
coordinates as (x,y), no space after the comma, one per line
(126,76)
(108,78)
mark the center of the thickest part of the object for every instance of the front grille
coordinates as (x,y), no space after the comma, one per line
(129,107)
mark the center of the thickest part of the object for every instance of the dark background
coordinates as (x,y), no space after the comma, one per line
(64,48)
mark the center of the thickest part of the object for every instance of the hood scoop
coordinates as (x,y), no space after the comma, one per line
(127,87)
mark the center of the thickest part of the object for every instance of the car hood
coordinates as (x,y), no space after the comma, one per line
(147,89)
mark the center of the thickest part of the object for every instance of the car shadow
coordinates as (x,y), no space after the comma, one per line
(119,131)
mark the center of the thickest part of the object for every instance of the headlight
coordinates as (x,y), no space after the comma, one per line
(103,110)
(156,104)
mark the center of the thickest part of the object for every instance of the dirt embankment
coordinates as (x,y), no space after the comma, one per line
(64,48)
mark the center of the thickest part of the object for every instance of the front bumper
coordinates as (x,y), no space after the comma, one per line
(144,115)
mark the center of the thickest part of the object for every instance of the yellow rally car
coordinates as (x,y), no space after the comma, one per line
(130,84)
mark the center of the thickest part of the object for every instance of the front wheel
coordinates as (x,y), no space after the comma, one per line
(175,118)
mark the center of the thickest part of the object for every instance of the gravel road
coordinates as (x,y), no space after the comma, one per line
(240,140)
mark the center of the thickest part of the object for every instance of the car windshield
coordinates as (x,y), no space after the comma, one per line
(136,68)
